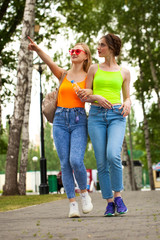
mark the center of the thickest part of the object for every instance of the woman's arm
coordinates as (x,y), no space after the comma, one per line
(57,71)
(103,102)
(89,85)
(84,93)
(126,93)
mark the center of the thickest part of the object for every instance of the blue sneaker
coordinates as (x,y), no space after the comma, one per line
(110,210)
(120,206)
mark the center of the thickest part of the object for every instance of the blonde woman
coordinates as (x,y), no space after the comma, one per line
(70,124)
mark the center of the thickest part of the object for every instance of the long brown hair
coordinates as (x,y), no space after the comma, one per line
(88,61)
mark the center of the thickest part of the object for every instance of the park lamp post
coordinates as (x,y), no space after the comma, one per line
(35,159)
(43,188)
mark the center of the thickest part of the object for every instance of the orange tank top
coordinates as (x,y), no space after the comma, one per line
(67,98)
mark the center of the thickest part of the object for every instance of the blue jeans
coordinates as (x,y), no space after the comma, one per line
(107,129)
(70,137)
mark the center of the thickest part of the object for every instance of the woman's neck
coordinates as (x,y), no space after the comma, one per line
(77,73)
(77,68)
(110,61)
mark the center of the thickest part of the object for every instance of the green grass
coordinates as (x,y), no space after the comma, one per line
(14,202)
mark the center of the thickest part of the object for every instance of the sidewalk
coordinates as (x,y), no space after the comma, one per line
(50,221)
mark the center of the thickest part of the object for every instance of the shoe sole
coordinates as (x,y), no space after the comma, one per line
(74,216)
(109,215)
(121,213)
(88,211)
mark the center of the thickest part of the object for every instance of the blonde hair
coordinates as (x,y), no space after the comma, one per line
(88,61)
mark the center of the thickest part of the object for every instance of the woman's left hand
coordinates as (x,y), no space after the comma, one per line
(126,106)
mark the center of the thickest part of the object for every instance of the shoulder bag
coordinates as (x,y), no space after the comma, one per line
(49,104)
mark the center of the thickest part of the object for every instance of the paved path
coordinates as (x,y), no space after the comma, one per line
(50,221)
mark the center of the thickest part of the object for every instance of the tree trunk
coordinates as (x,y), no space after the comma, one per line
(25,130)
(11,186)
(147,144)
(156,82)
(146,135)
(130,166)
(152,68)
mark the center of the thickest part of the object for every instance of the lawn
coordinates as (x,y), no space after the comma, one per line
(14,202)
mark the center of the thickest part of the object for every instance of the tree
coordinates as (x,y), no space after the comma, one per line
(0,99)
(11,14)
(153,117)
(21,100)
(25,126)
(11,187)
(129,158)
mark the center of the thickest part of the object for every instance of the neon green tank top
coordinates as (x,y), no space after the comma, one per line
(108,85)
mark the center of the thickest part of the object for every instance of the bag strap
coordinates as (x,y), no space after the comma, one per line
(60,82)
(62,77)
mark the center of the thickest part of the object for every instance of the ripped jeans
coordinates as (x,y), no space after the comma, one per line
(70,138)
(107,129)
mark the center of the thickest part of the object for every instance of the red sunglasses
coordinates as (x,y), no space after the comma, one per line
(77,51)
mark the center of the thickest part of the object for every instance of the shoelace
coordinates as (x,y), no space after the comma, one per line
(110,206)
(74,206)
(84,200)
(120,203)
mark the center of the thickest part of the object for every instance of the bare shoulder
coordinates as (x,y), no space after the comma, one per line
(93,68)
(125,73)
(125,70)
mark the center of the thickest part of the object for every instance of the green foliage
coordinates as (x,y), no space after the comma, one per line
(11,15)
(154,137)
(48,20)
(53,162)
(3,142)
(137,137)
(3,147)
(89,159)
(79,15)
(154,129)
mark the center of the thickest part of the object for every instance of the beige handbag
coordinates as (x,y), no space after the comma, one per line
(49,104)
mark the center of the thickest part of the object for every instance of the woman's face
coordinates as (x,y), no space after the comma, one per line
(76,56)
(103,49)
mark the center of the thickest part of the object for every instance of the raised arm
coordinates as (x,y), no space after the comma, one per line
(56,70)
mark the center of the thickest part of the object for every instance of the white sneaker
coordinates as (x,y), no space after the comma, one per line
(74,211)
(87,205)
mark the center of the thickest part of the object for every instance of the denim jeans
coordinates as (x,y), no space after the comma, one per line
(107,129)
(70,137)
